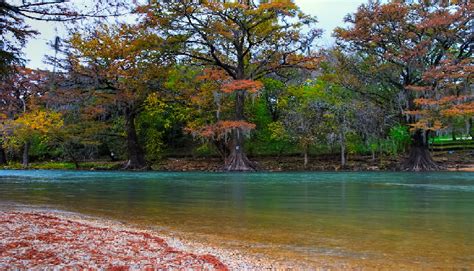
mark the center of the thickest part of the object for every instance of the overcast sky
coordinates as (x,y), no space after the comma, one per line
(330,14)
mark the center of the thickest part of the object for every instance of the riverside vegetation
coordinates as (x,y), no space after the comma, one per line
(231,83)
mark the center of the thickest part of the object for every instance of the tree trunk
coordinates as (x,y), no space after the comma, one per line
(420,158)
(343,149)
(305,157)
(70,153)
(75,161)
(222,147)
(26,150)
(343,155)
(238,160)
(136,155)
(3,155)
(471,130)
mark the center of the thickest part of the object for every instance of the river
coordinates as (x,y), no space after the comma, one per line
(398,219)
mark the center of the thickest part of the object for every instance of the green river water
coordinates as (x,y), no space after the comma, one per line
(399,219)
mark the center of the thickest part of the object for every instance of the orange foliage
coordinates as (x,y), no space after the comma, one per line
(461,109)
(307,62)
(213,74)
(414,112)
(442,101)
(417,88)
(437,21)
(221,129)
(34,240)
(227,85)
(248,85)
(427,125)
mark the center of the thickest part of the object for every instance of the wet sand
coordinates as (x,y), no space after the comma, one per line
(462,168)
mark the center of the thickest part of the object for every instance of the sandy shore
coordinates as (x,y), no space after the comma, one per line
(48,239)
(38,240)
(462,168)
(35,238)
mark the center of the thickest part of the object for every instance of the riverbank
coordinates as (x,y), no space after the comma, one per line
(47,239)
(462,160)
(453,161)
(38,240)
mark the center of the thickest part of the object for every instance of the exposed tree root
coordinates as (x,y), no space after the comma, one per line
(238,161)
(135,166)
(420,160)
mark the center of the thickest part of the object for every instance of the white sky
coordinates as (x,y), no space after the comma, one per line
(330,14)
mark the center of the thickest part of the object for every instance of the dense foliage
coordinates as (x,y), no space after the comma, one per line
(202,79)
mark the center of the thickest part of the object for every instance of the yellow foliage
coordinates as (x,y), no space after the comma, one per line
(35,123)
(41,121)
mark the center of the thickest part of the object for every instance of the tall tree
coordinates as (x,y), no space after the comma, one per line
(124,66)
(86,120)
(368,104)
(19,91)
(411,39)
(245,40)
(449,95)
(213,110)
(306,121)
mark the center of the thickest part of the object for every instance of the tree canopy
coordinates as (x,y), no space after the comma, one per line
(236,80)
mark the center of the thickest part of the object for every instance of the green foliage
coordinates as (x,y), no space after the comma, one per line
(65,165)
(204,150)
(180,70)
(153,144)
(40,149)
(355,144)
(400,138)
(53,165)
(265,140)
(277,131)
(101,165)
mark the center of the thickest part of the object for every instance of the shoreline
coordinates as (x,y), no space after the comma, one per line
(200,251)
(199,254)
(463,168)
(462,161)
(204,256)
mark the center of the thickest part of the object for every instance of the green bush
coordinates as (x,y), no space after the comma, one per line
(399,138)
(204,150)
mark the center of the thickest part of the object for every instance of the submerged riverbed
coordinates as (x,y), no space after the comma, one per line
(397,219)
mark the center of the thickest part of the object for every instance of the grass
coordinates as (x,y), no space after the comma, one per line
(52,165)
(447,143)
(449,138)
(66,165)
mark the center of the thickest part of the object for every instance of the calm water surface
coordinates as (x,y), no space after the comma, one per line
(401,218)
